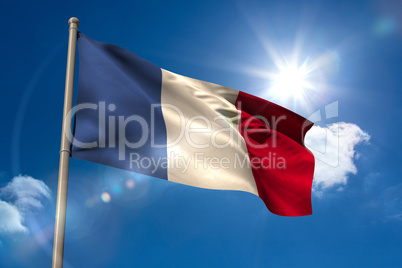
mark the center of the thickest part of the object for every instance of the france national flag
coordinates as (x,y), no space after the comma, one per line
(133,115)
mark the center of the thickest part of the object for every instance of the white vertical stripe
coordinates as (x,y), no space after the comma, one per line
(210,108)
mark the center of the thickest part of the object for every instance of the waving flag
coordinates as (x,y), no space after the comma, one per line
(133,115)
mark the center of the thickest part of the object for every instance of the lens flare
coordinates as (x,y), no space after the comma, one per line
(385,26)
(105,197)
(130,184)
(116,189)
(89,203)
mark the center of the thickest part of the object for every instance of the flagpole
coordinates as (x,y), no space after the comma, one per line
(60,223)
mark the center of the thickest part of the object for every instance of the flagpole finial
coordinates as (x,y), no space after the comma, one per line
(75,21)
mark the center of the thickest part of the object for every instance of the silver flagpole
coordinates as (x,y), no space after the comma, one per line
(60,224)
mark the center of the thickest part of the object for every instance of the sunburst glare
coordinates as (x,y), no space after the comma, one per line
(298,72)
(294,85)
(291,81)
(300,86)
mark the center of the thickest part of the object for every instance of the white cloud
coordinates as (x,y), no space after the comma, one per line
(10,219)
(22,195)
(25,192)
(333,147)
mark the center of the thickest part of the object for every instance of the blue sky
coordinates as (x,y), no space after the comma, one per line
(354,47)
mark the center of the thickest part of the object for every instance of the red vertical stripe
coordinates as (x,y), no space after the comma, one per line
(282,167)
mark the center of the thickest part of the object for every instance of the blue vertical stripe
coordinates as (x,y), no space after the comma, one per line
(112,77)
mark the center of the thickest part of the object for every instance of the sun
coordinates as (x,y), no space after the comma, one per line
(290,82)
